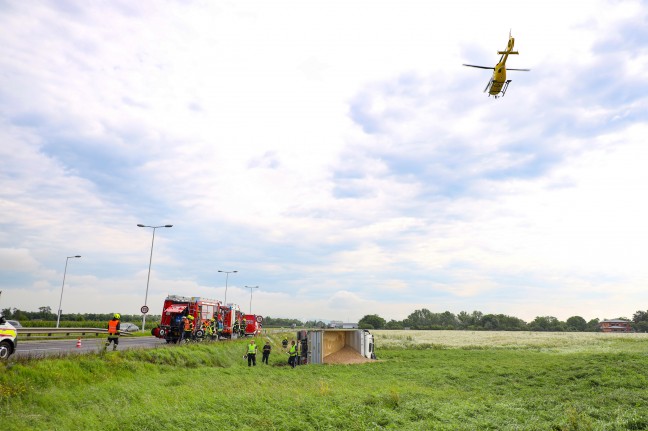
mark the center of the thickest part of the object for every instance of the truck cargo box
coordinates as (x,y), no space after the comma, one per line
(338,346)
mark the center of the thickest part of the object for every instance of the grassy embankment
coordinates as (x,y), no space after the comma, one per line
(423,381)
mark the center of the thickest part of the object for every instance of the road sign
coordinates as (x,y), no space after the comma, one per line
(144,309)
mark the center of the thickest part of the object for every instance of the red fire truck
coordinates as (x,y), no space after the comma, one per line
(176,307)
(252,324)
(229,321)
(234,322)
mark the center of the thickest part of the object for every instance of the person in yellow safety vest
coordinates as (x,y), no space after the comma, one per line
(209,329)
(251,353)
(213,327)
(113,332)
(292,354)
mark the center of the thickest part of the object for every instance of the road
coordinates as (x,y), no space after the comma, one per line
(42,348)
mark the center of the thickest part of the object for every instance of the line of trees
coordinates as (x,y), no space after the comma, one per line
(45,314)
(478,321)
(419,319)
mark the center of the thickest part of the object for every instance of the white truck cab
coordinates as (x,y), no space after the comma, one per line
(8,338)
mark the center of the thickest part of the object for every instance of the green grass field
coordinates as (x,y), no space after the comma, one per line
(431,380)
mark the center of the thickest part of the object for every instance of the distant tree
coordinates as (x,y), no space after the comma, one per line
(511,323)
(576,323)
(419,319)
(464,319)
(19,314)
(469,320)
(490,322)
(547,323)
(640,316)
(281,322)
(593,325)
(425,319)
(372,321)
(448,320)
(394,324)
(640,321)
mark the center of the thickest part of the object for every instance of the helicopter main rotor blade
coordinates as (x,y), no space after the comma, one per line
(520,70)
(479,67)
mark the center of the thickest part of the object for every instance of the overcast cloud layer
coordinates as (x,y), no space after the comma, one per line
(336,154)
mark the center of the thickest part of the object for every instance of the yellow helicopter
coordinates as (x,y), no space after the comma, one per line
(498,83)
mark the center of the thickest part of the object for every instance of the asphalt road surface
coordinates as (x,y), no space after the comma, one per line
(43,348)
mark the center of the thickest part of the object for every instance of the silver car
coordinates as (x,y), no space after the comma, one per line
(128,327)
(16,324)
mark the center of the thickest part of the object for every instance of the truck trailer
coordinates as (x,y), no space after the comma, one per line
(337,346)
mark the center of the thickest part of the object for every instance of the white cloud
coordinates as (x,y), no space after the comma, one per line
(340,158)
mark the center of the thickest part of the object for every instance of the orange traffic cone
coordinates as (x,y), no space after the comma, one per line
(78,343)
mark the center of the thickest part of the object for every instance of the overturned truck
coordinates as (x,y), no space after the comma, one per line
(337,346)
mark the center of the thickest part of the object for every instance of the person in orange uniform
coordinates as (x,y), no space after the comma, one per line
(113,331)
(188,328)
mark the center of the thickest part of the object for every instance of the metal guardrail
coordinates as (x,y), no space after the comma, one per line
(48,332)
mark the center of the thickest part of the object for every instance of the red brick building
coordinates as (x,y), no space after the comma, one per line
(616,325)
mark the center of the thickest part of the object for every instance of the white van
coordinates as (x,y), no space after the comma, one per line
(8,341)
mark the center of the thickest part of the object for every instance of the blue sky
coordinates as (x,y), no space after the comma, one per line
(336,154)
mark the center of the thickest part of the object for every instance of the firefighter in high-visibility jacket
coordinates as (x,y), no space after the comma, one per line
(251,353)
(113,332)
(292,354)
(214,328)
(208,327)
(187,333)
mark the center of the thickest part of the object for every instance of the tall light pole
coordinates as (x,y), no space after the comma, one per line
(227,273)
(251,288)
(58,317)
(145,308)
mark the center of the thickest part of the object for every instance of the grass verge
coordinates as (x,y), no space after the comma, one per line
(435,387)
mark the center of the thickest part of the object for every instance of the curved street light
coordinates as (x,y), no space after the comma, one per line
(148,278)
(227,273)
(251,288)
(58,317)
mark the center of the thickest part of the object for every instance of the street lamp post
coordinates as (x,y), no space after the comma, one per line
(251,288)
(58,317)
(148,278)
(227,273)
